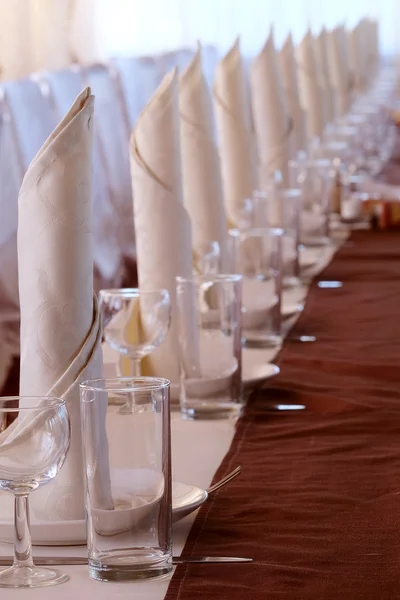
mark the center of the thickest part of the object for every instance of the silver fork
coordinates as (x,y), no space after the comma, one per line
(224,480)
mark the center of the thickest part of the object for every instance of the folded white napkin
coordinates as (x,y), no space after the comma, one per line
(311,93)
(288,68)
(60,326)
(162,224)
(201,175)
(235,131)
(329,97)
(272,122)
(340,68)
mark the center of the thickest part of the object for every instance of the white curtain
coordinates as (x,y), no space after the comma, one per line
(145,26)
(37,34)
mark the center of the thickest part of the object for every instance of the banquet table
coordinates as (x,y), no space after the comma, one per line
(317,505)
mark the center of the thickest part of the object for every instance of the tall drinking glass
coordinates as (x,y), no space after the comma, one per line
(288,209)
(128,475)
(257,255)
(209,321)
(34,440)
(315,180)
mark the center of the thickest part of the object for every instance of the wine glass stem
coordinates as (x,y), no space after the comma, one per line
(135,367)
(22,534)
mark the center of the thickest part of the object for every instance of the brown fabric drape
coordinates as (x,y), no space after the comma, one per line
(318,502)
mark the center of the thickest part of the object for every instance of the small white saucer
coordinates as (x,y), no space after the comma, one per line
(259,374)
(255,370)
(185,499)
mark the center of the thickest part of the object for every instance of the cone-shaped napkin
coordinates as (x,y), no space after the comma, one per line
(339,60)
(328,93)
(311,93)
(60,328)
(201,175)
(288,68)
(273,124)
(358,54)
(236,136)
(324,66)
(162,225)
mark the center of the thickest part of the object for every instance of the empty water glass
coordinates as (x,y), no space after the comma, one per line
(257,255)
(34,440)
(315,179)
(128,476)
(287,208)
(209,324)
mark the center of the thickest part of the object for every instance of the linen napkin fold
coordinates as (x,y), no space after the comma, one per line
(324,63)
(341,73)
(358,52)
(311,93)
(162,224)
(235,132)
(60,325)
(288,68)
(272,121)
(322,71)
(201,175)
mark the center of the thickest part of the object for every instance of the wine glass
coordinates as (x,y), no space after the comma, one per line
(34,440)
(135,322)
(208,259)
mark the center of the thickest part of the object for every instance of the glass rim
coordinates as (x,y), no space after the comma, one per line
(115,384)
(257,232)
(131,292)
(217,278)
(51,402)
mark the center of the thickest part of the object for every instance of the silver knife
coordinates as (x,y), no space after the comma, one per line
(6,561)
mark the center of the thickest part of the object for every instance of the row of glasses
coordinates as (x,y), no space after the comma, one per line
(128,485)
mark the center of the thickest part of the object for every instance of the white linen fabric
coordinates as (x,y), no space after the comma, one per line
(328,96)
(162,224)
(273,125)
(235,132)
(311,93)
(201,175)
(288,68)
(60,326)
(324,66)
(340,67)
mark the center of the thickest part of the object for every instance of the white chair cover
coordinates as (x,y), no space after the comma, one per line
(112,130)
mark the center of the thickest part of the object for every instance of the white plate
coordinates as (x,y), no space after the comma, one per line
(259,373)
(255,370)
(185,499)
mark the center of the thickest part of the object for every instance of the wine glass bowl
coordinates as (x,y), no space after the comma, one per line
(135,322)
(34,440)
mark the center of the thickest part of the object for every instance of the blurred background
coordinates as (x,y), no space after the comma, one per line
(51,34)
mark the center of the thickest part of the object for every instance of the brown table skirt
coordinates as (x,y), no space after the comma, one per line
(318,502)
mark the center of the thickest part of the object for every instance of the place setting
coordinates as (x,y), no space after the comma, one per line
(158,304)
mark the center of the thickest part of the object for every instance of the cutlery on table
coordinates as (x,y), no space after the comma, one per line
(6,561)
(224,480)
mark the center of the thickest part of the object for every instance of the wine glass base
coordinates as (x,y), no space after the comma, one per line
(31,577)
